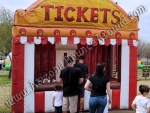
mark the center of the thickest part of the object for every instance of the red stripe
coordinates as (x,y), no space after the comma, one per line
(16,40)
(18,77)
(82,40)
(39,101)
(115,99)
(118,41)
(107,42)
(130,42)
(70,40)
(30,40)
(132,74)
(57,40)
(44,40)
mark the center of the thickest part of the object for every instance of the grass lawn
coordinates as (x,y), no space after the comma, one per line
(5,91)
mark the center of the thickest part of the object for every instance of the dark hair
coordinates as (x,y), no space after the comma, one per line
(68,59)
(144,88)
(99,77)
(81,57)
(58,87)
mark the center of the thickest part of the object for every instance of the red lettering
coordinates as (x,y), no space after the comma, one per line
(116,17)
(93,15)
(80,14)
(47,11)
(59,18)
(66,14)
(105,14)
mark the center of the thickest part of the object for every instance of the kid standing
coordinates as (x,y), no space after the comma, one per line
(141,104)
(58,99)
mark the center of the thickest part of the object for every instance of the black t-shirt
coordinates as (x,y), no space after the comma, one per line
(70,77)
(83,68)
(96,90)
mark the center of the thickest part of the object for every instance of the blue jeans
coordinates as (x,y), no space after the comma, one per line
(58,109)
(97,103)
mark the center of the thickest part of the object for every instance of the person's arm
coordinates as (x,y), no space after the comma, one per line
(80,80)
(87,85)
(53,100)
(108,92)
(148,106)
(133,106)
(79,73)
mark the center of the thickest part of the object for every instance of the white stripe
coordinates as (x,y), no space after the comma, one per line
(76,40)
(37,40)
(89,41)
(23,39)
(101,41)
(86,99)
(135,43)
(113,41)
(124,91)
(124,42)
(29,76)
(51,40)
(48,101)
(64,40)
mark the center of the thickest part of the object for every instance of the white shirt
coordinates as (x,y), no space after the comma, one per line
(58,98)
(0,62)
(142,103)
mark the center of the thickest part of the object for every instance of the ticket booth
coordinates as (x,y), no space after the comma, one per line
(48,30)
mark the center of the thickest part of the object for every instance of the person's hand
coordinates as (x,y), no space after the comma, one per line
(109,101)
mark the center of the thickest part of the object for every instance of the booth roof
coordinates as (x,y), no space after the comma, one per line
(82,14)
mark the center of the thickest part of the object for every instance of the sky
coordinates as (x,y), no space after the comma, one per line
(127,5)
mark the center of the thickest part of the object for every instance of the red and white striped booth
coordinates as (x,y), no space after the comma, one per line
(35,49)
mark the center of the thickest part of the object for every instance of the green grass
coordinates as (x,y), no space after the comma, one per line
(5,91)
(4,80)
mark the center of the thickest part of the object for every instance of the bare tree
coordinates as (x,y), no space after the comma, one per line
(141,49)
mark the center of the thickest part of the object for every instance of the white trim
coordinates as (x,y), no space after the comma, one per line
(113,41)
(37,40)
(101,41)
(51,40)
(124,91)
(76,40)
(89,41)
(29,76)
(48,101)
(64,40)
(124,42)
(23,39)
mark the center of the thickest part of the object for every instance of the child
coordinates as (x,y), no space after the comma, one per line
(58,99)
(141,104)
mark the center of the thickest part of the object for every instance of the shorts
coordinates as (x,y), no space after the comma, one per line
(81,91)
(70,104)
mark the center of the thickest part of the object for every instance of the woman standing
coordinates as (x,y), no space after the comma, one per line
(100,84)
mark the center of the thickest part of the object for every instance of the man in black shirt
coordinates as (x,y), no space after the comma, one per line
(84,69)
(71,77)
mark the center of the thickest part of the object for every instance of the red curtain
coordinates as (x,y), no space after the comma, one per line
(93,55)
(45,59)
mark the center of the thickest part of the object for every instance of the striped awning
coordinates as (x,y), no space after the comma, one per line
(74,40)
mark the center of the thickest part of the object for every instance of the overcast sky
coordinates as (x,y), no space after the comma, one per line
(127,5)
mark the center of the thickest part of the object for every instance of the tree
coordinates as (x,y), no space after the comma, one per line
(6,17)
(141,49)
